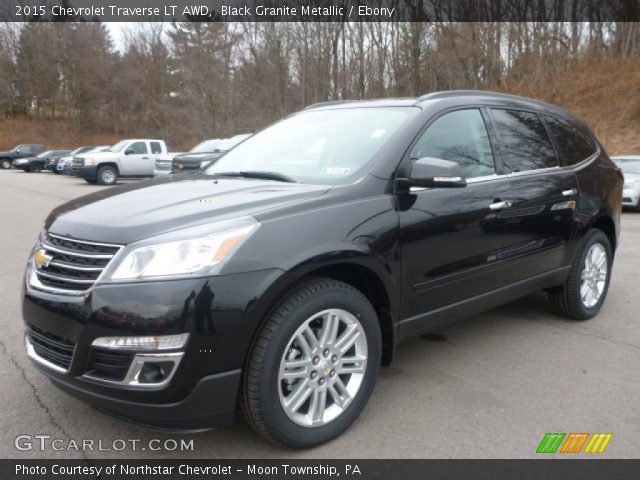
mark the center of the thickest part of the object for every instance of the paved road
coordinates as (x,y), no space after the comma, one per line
(487,387)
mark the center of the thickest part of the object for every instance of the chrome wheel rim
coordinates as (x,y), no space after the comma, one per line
(594,275)
(322,368)
(6,164)
(107,176)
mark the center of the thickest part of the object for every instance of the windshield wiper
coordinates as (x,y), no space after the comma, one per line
(257,174)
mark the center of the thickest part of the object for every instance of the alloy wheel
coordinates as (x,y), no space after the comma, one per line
(322,368)
(594,275)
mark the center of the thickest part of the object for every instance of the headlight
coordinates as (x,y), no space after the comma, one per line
(196,251)
(90,161)
(159,342)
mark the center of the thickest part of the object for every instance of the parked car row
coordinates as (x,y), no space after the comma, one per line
(103,164)
(198,157)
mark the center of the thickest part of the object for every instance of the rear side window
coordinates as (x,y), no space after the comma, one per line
(573,144)
(156,147)
(460,137)
(26,149)
(138,148)
(524,140)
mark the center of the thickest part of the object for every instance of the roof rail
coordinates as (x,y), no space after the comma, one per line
(327,103)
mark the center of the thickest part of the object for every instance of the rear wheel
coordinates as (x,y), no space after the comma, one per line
(35,167)
(585,290)
(313,365)
(5,163)
(107,175)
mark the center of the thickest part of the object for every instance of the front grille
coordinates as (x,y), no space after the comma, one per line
(77,164)
(75,265)
(163,164)
(109,365)
(52,348)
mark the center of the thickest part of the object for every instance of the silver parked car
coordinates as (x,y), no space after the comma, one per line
(630,165)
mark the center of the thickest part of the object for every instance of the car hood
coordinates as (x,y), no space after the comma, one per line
(197,156)
(96,155)
(630,177)
(139,210)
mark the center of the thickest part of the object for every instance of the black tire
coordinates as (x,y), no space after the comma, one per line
(55,171)
(107,175)
(5,163)
(261,402)
(35,167)
(566,300)
(92,182)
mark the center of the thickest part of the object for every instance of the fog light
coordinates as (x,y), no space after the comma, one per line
(155,372)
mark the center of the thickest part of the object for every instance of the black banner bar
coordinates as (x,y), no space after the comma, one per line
(319,10)
(547,469)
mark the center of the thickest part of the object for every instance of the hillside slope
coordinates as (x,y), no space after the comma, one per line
(604,93)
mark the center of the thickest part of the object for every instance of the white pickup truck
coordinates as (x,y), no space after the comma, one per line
(129,158)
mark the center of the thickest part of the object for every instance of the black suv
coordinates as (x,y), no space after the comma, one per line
(288,271)
(21,151)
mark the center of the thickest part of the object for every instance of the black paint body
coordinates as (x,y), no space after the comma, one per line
(424,258)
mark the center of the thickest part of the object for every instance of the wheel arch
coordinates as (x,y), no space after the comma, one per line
(363,273)
(108,164)
(606,224)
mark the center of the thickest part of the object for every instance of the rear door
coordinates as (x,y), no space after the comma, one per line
(137,162)
(544,195)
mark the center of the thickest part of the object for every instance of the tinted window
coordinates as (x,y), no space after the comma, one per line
(138,147)
(25,149)
(459,137)
(572,143)
(524,140)
(156,147)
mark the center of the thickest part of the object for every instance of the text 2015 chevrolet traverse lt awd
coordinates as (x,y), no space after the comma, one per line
(287,272)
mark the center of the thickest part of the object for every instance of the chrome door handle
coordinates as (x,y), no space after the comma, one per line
(145,158)
(500,205)
(569,193)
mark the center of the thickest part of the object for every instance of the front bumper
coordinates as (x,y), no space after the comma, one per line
(630,197)
(88,172)
(159,173)
(203,391)
(21,166)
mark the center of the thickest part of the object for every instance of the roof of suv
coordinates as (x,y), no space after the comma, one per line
(473,96)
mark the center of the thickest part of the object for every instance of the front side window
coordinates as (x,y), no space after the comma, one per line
(524,140)
(572,143)
(317,146)
(460,137)
(138,148)
(24,148)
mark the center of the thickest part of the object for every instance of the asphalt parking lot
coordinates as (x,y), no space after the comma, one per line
(488,387)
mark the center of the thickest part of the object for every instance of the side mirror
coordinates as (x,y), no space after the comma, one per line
(434,173)
(128,151)
(18,151)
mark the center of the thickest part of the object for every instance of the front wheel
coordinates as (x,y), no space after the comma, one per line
(313,365)
(107,175)
(585,289)
(35,167)
(5,163)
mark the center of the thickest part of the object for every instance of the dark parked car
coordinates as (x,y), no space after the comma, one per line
(21,151)
(54,160)
(195,160)
(39,162)
(289,270)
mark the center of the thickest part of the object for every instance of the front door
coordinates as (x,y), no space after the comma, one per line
(451,238)
(136,162)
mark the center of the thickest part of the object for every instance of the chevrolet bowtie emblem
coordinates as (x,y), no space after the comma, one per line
(41,259)
(181,166)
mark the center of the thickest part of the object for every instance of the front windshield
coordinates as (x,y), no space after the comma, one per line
(317,146)
(119,146)
(629,166)
(44,154)
(206,146)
